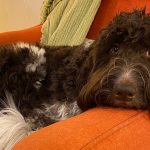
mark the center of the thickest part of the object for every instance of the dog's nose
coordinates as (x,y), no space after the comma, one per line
(124,92)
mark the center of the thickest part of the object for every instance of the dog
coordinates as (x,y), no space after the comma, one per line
(40,85)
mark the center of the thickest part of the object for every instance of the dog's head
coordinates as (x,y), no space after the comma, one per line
(121,71)
(22,72)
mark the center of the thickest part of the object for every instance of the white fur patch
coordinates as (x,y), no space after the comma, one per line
(88,42)
(13,127)
(52,112)
(31,68)
(126,75)
(62,110)
(22,45)
(40,59)
(37,53)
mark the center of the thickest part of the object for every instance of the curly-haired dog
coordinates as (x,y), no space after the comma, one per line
(42,85)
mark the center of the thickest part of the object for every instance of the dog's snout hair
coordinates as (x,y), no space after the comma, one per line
(119,75)
(122,82)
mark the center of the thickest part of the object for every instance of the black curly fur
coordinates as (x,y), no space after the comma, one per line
(125,42)
(88,76)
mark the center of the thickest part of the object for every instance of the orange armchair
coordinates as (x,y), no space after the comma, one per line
(98,128)
(30,35)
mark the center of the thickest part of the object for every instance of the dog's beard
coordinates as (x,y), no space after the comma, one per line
(122,72)
(100,88)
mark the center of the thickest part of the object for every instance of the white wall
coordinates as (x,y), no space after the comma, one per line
(19,14)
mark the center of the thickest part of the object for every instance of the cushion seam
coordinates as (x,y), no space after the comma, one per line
(112,130)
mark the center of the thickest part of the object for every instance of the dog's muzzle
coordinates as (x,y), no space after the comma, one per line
(124,91)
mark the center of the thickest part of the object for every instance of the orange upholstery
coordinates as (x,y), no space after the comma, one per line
(98,128)
(109,8)
(31,35)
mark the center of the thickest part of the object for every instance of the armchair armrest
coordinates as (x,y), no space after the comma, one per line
(30,35)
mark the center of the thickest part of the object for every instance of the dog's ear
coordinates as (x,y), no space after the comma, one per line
(147,95)
(89,94)
(85,100)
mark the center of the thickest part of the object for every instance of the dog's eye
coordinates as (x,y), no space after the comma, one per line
(114,50)
(38,84)
(148,54)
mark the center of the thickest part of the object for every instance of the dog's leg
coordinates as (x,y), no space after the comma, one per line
(51,113)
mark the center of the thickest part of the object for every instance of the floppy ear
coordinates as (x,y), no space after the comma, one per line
(89,94)
(85,99)
(147,95)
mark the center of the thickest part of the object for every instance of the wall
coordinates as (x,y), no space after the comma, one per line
(19,14)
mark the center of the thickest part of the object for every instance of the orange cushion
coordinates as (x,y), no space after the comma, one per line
(30,35)
(98,128)
(109,8)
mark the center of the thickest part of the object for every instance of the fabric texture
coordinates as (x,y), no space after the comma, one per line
(68,22)
(95,129)
(47,7)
